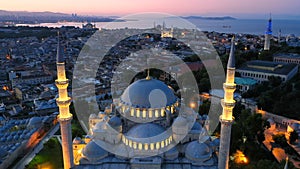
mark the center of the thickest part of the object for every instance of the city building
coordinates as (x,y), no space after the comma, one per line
(18,136)
(268,35)
(244,84)
(147,127)
(287,58)
(263,70)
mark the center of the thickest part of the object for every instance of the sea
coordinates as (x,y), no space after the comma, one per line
(243,26)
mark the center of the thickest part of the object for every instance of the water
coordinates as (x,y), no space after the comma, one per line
(248,26)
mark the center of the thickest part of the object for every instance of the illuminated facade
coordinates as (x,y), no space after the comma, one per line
(226,118)
(147,132)
(63,102)
(268,35)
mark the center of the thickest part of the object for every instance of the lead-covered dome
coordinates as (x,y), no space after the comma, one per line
(148,93)
(196,151)
(146,130)
(94,152)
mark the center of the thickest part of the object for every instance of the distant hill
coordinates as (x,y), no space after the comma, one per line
(26,13)
(26,17)
(210,18)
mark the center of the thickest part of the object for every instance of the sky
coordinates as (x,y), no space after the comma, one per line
(235,8)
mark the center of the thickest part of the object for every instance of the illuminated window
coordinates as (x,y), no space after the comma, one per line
(157,145)
(156,113)
(130,143)
(152,146)
(134,145)
(162,144)
(146,146)
(132,112)
(144,113)
(150,113)
(140,146)
(137,112)
(162,112)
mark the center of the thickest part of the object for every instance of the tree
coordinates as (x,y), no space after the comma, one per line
(293,136)
(280,140)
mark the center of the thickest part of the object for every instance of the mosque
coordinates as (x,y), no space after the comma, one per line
(144,137)
(147,127)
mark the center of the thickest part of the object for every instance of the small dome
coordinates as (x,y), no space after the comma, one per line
(145,130)
(35,122)
(196,126)
(77,140)
(93,116)
(115,122)
(196,151)
(94,152)
(148,94)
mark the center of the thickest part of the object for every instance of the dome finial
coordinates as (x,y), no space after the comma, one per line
(148,74)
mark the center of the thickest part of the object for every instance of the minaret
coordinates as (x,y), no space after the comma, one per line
(268,35)
(226,118)
(286,166)
(279,36)
(63,102)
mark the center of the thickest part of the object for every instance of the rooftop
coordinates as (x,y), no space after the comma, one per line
(287,55)
(268,67)
(244,81)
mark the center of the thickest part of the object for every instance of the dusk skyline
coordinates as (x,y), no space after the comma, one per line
(248,9)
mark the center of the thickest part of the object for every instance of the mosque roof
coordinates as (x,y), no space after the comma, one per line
(244,81)
(92,151)
(148,93)
(115,121)
(197,151)
(145,130)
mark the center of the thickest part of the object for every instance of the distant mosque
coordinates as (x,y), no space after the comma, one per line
(147,127)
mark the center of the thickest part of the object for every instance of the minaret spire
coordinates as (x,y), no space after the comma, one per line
(63,102)
(228,103)
(286,163)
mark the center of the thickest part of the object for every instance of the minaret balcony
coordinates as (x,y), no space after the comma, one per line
(62,84)
(227,104)
(229,86)
(63,103)
(67,118)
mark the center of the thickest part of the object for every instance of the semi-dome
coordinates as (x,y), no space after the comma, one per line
(196,151)
(145,130)
(148,93)
(93,152)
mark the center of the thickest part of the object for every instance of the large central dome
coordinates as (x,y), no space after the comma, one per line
(148,93)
